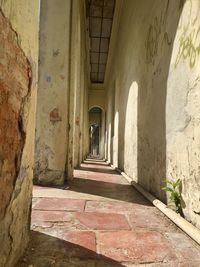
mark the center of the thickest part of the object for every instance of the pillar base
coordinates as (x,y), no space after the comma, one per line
(50,178)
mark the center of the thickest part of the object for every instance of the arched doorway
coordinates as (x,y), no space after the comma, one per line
(95,132)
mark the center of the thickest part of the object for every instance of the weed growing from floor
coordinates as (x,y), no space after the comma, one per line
(173,188)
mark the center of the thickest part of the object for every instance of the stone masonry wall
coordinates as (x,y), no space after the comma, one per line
(15,81)
(18,90)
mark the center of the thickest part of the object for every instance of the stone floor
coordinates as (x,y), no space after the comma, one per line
(101,221)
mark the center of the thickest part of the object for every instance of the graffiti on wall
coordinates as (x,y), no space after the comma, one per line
(189,41)
(157,36)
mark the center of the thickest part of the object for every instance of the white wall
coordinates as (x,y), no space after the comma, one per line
(155,72)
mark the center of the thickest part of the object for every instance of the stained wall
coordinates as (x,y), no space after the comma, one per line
(152,87)
(63,83)
(18,89)
(53,91)
(183,111)
(80,83)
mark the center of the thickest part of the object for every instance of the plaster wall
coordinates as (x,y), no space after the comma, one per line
(81,77)
(155,72)
(61,96)
(78,104)
(85,146)
(183,111)
(102,135)
(18,85)
(108,131)
(53,93)
(85,122)
(97,97)
(78,83)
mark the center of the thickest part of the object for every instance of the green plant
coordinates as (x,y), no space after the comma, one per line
(175,196)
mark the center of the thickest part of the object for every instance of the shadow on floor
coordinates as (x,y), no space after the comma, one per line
(103,170)
(123,192)
(45,250)
(103,163)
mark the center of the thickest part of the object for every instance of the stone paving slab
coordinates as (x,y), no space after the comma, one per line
(149,219)
(85,239)
(50,216)
(101,221)
(137,246)
(57,204)
(109,176)
(43,192)
(116,207)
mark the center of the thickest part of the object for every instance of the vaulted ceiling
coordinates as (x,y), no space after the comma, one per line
(100,14)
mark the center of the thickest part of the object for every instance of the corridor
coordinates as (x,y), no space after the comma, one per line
(99,220)
(82,80)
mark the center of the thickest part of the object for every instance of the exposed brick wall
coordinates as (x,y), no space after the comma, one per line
(14,88)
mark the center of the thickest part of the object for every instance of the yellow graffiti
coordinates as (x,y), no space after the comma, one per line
(189,41)
(188,47)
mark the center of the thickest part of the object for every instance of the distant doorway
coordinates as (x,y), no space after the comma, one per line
(95,119)
(94,140)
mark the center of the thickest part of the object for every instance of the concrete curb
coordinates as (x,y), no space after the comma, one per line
(183,224)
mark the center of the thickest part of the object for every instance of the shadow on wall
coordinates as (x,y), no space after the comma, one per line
(149,75)
(152,106)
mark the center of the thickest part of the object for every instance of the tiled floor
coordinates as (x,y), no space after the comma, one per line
(101,221)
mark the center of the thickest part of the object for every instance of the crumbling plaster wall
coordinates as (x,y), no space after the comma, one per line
(85,123)
(81,78)
(53,93)
(18,84)
(78,105)
(62,93)
(84,118)
(139,74)
(158,43)
(147,70)
(155,72)
(183,110)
